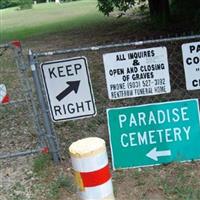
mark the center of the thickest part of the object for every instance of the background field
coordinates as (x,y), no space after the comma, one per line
(79,24)
(45,19)
(49,18)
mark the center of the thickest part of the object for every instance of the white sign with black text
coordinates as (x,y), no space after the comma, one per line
(191,62)
(135,73)
(68,88)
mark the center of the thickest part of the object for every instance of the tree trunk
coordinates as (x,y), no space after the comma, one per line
(159,10)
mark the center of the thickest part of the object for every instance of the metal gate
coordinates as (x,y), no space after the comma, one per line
(21,132)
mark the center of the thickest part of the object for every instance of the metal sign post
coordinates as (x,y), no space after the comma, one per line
(53,145)
(22,67)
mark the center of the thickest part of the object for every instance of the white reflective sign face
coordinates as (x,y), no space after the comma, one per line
(191,61)
(137,73)
(68,88)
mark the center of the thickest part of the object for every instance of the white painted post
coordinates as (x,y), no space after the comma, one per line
(91,169)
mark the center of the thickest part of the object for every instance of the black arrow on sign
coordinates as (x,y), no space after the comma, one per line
(73,86)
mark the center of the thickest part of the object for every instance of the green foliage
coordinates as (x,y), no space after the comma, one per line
(25,4)
(61,182)
(183,8)
(69,0)
(41,1)
(107,6)
(8,3)
(41,163)
(186,13)
(180,184)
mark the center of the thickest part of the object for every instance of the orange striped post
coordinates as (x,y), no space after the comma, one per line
(91,170)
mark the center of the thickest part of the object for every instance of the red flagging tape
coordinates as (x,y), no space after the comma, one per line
(16,43)
(95,178)
(6,99)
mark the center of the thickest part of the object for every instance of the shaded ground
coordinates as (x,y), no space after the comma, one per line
(115,31)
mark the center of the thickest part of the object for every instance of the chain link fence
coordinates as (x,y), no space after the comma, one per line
(25,120)
(26,125)
(22,132)
(70,131)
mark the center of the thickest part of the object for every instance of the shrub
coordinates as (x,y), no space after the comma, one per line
(8,3)
(25,4)
(41,163)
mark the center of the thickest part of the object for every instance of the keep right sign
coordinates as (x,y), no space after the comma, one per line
(191,61)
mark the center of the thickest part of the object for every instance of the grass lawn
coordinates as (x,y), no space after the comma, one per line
(48,18)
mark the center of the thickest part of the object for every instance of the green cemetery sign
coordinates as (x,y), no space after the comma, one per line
(153,134)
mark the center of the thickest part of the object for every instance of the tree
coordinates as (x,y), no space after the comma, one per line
(158,8)
(25,4)
(188,9)
(8,3)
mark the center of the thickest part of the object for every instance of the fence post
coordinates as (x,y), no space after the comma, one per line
(50,135)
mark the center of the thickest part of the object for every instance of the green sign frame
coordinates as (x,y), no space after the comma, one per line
(154,134)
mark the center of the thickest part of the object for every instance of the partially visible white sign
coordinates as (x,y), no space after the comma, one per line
(69,90)
(191,61)
(137,73)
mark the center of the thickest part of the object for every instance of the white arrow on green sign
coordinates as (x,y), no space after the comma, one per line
(154,134)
